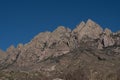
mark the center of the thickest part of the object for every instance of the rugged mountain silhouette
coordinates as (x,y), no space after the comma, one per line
(85,53)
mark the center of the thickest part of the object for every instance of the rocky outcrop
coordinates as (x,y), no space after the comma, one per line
(116,37)
(107,41)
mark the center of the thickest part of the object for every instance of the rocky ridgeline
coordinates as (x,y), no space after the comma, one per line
(59,42)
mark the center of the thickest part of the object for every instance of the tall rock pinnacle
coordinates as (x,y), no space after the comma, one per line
(90,29)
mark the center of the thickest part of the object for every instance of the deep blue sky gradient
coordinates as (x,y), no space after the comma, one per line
(21,20)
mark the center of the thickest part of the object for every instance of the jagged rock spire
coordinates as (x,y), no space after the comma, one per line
(107,31)
(79,27)
(90,29)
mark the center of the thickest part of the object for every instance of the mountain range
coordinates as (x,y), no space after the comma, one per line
(87,52)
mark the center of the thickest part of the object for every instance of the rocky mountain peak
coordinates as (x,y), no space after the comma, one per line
(79,27)
(89,29)
(60,29)
(90,22)
(11,48)
(107,31)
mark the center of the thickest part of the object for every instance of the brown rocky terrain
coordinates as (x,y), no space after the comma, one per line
(86,53)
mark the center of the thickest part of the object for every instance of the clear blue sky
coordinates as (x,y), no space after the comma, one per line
(21,20)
